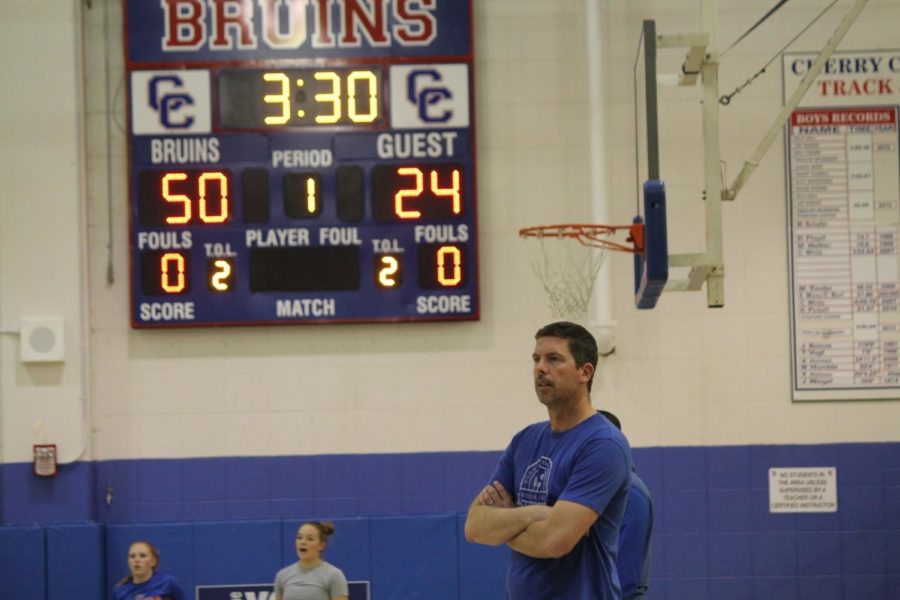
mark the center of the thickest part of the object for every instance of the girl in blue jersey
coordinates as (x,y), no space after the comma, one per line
(143,581)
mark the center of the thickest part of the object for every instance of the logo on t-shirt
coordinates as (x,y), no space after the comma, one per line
(533,488)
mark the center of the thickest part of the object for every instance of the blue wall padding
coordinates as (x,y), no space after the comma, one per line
(23,561)
(118,478)
(465,476)
(175,544)
(65,498)
(482,569)
(242,488)
(327,486)
(349,547)
(415,558)
(75,561)
(242,552)
(404,558)
(713,536)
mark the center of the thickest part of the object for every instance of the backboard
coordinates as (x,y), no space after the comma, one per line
(700,69)
(646,117)
(651,266)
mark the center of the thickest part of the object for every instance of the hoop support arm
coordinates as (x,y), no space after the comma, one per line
(751,163)
(702,63)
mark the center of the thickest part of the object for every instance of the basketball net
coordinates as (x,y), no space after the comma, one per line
(567,258)
(567,269)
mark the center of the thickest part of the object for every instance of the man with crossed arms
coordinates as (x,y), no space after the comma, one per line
(559,492)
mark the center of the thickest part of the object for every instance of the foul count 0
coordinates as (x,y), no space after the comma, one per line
(203,198)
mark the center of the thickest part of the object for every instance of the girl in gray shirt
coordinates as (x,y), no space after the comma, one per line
(311,578)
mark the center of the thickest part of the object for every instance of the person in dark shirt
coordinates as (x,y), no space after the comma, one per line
(633,562)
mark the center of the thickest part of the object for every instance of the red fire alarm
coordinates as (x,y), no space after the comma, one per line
(45,460)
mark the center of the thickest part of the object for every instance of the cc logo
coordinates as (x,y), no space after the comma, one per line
(168,99)
(428,99)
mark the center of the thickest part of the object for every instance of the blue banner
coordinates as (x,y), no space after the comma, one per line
(359,590)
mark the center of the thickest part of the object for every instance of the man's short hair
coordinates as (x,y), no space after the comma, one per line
(582,344)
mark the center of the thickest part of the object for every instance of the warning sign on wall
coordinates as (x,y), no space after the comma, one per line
(802,489)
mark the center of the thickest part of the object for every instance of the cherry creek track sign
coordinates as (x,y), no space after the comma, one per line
(843,154)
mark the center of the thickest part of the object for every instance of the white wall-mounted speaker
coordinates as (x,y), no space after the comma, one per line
(42,340)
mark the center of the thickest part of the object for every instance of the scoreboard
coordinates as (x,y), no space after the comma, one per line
(295,161)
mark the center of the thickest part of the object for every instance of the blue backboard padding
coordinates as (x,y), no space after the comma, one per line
(425,549)
(482,569)
(22,558)
(652,270)
(75,559)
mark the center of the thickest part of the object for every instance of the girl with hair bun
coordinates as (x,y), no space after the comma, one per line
(311,578)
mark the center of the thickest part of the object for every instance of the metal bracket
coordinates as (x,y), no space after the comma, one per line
(701,66)
(696,44)
(750,165)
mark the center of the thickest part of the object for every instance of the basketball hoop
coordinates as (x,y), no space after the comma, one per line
(566,258)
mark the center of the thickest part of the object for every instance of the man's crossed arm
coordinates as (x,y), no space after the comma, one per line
(535,530)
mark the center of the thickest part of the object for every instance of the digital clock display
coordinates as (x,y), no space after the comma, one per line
(291,166)
(261,99)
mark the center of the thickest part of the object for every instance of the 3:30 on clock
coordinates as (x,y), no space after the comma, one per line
(287,98)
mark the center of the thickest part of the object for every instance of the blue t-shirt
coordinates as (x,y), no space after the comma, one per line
(634,541)
(159,587)
(588,464)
